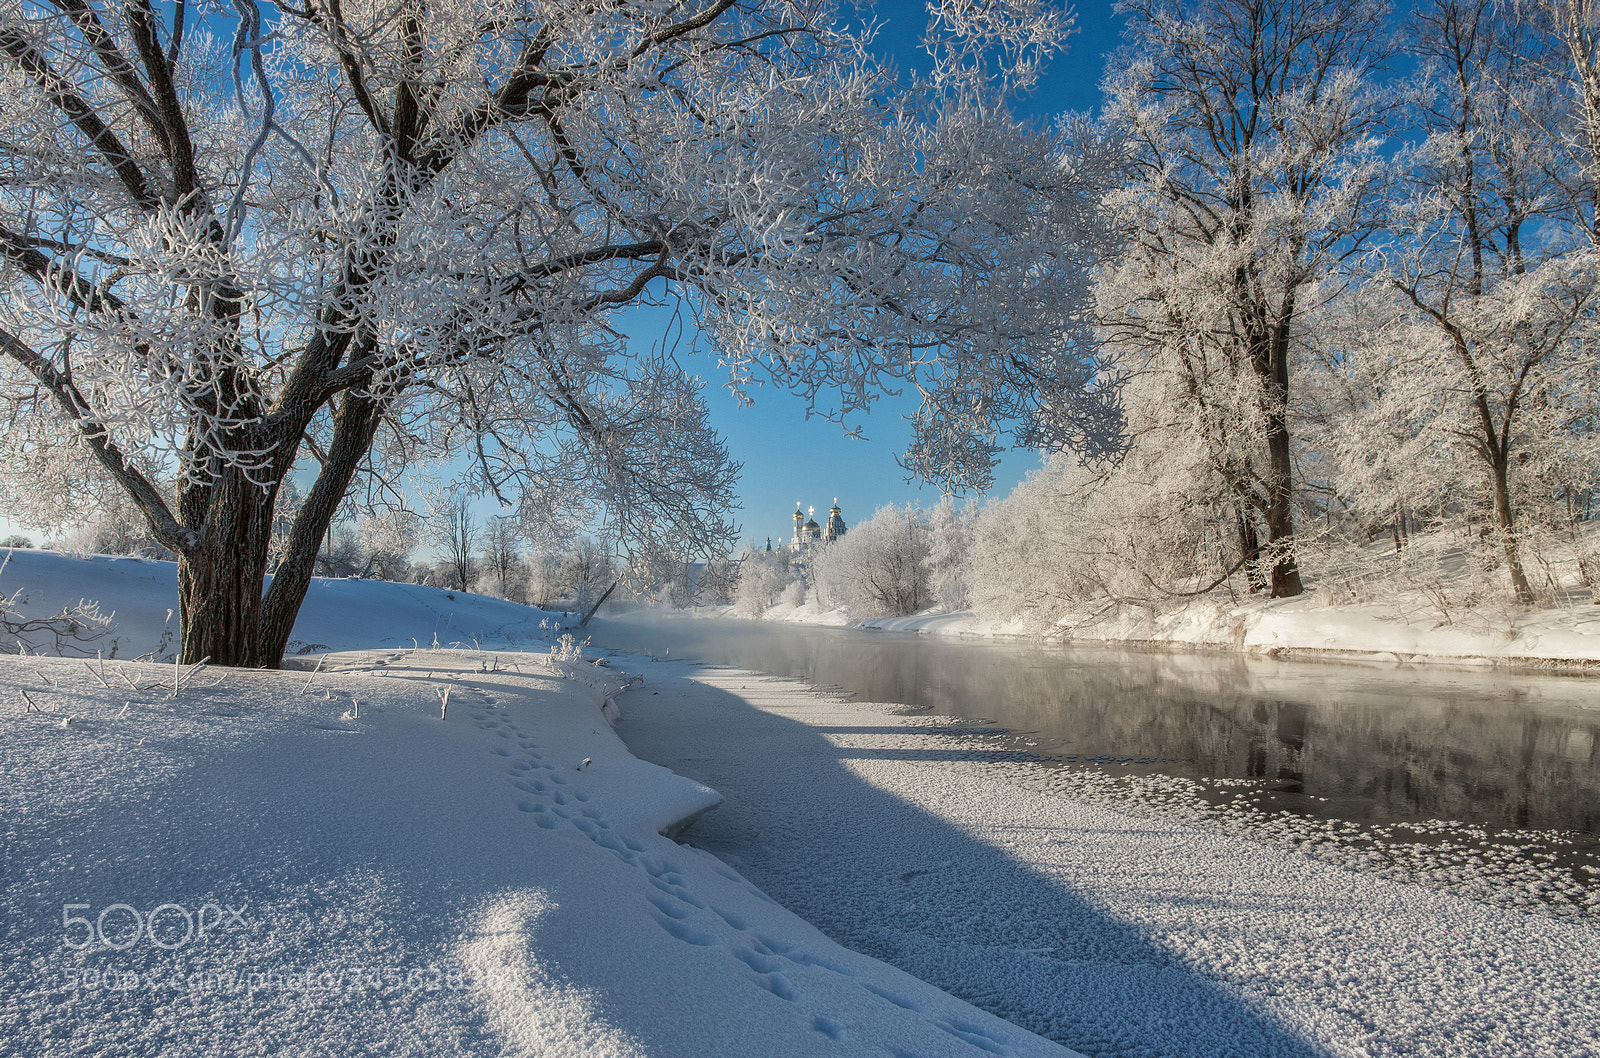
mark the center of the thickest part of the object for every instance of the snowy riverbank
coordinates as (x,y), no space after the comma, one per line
(405,851)
(1404,631)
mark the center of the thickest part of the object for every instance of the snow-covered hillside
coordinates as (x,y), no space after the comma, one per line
(141,596)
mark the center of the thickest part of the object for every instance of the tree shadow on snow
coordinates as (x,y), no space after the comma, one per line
(884,877)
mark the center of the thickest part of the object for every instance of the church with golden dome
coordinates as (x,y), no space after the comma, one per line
(808,534)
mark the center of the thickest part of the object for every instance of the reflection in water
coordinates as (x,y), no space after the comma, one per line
(1364,743)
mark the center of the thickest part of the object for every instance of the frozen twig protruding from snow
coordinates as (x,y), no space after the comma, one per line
(313,675)
(180,677)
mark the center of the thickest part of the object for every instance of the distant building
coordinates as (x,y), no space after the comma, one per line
(808,534)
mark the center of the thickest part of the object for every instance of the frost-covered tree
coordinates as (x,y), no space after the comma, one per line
(1566,34)
(761,580)
(388,536)
(1501,288)
(949,538)
(342,555)
(500,562)
(586,572)
(658,575)
(879,568)
(375,543)
(363,235)
(1070,539)
(1252,171)
(542,579)
(716,583)
(113,527)
(455,533)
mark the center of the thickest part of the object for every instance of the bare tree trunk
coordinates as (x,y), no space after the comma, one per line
(224,614)
(355,425)
(1285,576)
(1273,368)
(459,538)
(1249,550)
(1505,522)
(219,579)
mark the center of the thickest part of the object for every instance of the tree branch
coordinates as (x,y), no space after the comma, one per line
(98,440)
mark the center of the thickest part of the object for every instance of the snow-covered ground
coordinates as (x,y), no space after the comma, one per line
(141,596)
(409,850)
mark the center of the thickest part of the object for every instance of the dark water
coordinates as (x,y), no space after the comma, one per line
(1364,743)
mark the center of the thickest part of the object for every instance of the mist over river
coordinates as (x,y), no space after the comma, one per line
(1359,742)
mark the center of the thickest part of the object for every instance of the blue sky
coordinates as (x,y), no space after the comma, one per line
(787,458)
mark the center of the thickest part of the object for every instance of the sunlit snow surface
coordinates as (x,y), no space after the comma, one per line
(408,851)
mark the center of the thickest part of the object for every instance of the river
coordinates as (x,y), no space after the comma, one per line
(1366,743)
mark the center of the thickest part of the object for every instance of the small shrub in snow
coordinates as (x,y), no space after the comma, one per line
(567,648)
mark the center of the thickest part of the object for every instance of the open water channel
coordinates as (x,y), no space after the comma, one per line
(1502,752)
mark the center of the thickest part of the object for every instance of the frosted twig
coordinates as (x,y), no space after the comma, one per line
(96,675)
(179,677)
(32,705)
(444,700)
(313,675)
(44,678)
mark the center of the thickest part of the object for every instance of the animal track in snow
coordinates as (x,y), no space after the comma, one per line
(976,1035)
(551,801)
(687,933)
(761,964)
(899,1001)
(779,986)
